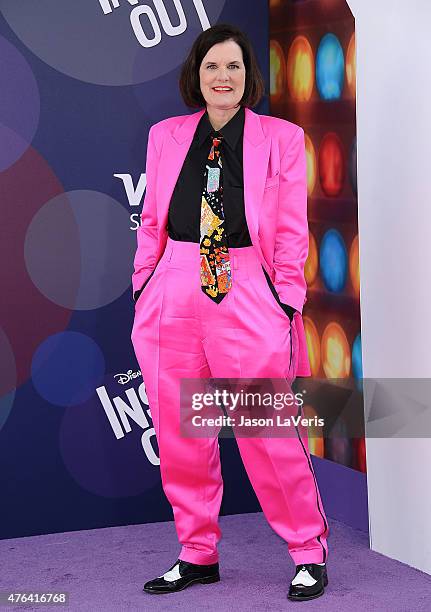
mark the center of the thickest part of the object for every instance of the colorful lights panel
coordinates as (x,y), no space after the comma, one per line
(313,84)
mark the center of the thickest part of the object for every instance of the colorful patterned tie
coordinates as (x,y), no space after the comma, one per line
(216,276)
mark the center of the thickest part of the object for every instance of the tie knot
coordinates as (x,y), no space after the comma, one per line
(217,139)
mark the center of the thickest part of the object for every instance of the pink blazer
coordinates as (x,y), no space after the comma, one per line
(275,201)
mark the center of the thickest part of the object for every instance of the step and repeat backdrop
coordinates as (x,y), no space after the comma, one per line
(313,83)
(82,81)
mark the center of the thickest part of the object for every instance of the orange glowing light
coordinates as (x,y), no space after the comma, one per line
(335,352)
(351,65)
(277,76)
(312,263)
(313,345)
(300,69)
(316,443)
(332,170)
(310,155)
(354,264)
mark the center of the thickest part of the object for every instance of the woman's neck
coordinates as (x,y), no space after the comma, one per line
(220,116)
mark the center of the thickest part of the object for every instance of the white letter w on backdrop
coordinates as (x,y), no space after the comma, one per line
(133,195)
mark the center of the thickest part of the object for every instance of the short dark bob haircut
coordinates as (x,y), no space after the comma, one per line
(189,82)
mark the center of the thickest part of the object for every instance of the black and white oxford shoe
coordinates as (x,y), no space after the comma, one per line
(309,582)
(181,575)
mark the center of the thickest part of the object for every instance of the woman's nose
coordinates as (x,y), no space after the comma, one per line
(223,74)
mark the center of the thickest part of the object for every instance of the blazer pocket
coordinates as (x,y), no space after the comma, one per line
(272,181)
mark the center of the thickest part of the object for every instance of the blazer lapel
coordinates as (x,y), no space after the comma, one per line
(256,149)
(171,161)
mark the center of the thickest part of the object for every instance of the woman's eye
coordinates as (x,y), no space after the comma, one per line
(230,66)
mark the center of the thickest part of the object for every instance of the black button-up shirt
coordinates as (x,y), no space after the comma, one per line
(185,206)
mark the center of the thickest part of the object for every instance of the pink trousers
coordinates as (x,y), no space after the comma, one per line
(179,332)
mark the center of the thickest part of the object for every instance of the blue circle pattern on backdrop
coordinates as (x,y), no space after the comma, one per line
(67,368)
(20,104)
(333,261)
(357,360)
(330,68)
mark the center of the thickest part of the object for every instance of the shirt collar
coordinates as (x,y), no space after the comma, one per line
(231,132)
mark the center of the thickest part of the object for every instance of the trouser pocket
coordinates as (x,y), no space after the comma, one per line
(161,265)
(274,293)
(138,293)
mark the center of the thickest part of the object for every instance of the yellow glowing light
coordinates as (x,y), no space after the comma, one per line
(335,352)
(312,263)
(351,65)
(310,155)
(354,264)
(300,69)
(313,345)
(276,71)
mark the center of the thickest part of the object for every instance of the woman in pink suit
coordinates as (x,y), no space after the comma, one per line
(219,289)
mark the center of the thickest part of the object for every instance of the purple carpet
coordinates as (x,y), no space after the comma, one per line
(105,569)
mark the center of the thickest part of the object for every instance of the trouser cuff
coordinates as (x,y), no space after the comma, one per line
(199,557)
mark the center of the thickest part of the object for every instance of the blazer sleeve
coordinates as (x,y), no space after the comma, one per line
(147,234)
(291,241)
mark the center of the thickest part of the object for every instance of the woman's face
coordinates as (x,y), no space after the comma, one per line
(223,67)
